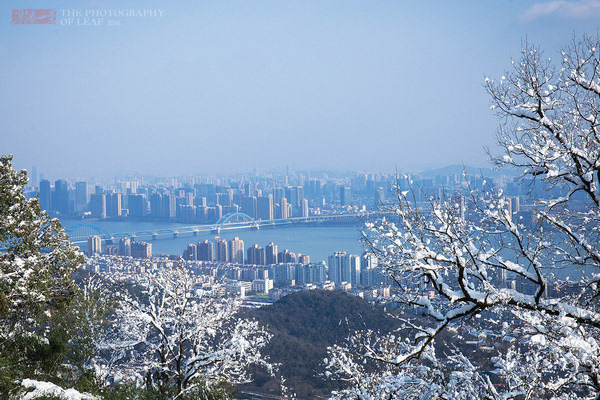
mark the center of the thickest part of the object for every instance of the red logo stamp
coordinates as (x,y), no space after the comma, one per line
(27,16)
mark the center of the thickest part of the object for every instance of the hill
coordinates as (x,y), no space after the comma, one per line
(459,168)
(303,325)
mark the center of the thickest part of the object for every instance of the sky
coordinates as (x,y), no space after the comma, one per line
(207,87)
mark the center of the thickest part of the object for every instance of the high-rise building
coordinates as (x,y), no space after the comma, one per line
(283,206)
(236,250)
(282,272)
(61,197)
(190,253)
(169,203)
(271,254)
(309,273)
(303,258)
(141,249)
(200,201)
(125,247)
(111,250)
(137,205)
(113,204)
(82,196)
(285,256)
(278,194)
(98,205)
(255,255)
(368,261)
(354,269)
(205,251)
(186,213)
(249,190)
(337,263)
(304,208)
(265,208)
(345,196)
(202,214)
(221,253)
(249,206)
(94,245)
(156,205)
(45,195)
(291,195)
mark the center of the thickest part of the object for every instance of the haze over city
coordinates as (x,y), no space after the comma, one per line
(219,87)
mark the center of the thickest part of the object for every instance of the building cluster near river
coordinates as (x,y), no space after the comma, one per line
(260,272)
(358,275)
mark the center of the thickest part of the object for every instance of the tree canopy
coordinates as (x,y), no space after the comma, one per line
(468,245)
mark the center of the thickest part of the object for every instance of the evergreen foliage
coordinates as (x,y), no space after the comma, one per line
(36,287)
(303,325)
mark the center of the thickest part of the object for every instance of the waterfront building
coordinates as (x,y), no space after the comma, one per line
(368,261)
(60,201)
(249,206)
(113,204)
(169,203)
(98,205)
(255,255)
(345,196)
(190,253)
(285,256)
(137,205)
(304,208)
(221,253)
(125,247)
(200,201)
(336,263)
(156,205)
(303,258)
(205,251)
(111,250)
(265,208)
(45,195)
(284,209)
(236,250)
(141,249)
(82,195)
(354,268)
(271,254)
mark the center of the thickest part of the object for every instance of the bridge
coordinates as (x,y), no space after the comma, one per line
(232,221)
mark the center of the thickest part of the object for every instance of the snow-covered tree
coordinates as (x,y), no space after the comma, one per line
(467,246)
(170,335)
(37,258)
(36,287)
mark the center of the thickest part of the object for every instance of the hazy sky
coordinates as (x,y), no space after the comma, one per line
(231,86)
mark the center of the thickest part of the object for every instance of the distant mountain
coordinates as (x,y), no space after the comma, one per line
(458,169)
(304,324)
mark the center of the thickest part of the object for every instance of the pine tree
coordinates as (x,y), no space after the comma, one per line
(36,286)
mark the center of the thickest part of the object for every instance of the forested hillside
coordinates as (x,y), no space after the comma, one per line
(303,325)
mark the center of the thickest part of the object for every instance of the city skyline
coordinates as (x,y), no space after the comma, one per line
(218,87)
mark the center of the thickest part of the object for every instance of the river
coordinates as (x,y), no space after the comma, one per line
(318,242)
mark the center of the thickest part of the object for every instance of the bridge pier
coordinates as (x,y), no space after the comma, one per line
(196,233)
(175,235)
(154,236)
